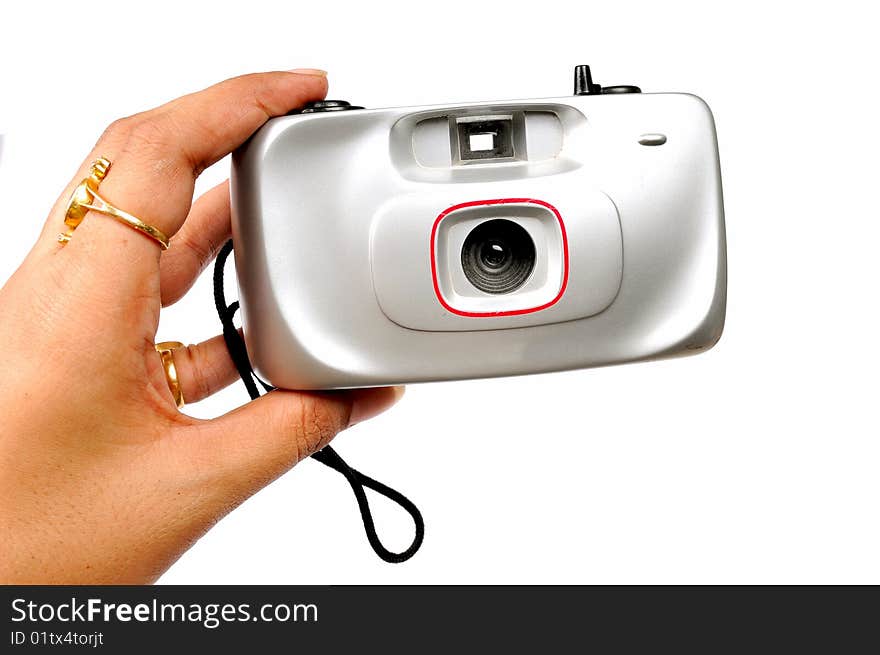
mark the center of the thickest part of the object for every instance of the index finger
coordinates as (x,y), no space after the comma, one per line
(209,124)
(159,153)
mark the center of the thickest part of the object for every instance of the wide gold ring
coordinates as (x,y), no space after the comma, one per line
(85,198)
(166,354)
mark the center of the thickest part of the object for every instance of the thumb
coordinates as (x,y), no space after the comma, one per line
(254,444)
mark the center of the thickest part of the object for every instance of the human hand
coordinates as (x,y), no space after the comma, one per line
(102,479)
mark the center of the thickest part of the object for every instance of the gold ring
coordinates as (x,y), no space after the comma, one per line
(166,354)
(85,198)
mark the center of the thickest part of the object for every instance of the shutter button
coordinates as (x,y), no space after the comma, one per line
(317,106)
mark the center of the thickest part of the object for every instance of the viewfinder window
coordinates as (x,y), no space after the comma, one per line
(484,141)
(484,138)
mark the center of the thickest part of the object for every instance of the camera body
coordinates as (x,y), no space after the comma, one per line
(390,246)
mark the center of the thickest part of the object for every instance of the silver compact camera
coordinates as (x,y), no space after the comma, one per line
(388,246)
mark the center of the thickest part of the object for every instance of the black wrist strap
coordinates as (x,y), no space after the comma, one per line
(327,456)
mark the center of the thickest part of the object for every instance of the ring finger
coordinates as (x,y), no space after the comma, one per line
(202,369)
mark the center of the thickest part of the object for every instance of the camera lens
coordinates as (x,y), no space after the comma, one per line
(498,256)
(495,254)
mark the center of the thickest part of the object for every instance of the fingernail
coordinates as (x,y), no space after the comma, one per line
(309,71)
(372,402)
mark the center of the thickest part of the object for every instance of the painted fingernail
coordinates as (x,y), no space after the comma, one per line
(372,402)
(309,71)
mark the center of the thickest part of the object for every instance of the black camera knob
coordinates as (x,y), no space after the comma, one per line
(317,106)
(583,82)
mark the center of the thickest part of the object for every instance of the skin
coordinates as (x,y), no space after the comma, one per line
(102,479)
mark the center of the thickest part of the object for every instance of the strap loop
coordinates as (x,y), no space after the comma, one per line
(327,456)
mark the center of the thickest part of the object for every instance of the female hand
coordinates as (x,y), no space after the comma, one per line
(102,479)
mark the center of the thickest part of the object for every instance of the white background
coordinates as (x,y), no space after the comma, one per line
(754,463)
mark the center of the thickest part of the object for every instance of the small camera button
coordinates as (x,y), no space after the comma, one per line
(621,88)
(318,106)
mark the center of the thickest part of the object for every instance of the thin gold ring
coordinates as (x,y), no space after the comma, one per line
(166,354)
(102,206)
(85,198)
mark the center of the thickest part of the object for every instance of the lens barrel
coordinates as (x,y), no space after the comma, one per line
(498,256)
